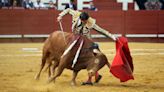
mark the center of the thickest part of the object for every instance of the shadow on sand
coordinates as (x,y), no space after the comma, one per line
(132,85)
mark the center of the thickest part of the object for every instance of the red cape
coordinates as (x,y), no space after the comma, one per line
(122,65)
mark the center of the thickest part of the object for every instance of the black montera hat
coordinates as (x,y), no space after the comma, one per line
(84,16)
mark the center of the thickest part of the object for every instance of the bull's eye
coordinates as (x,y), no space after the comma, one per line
(97,61)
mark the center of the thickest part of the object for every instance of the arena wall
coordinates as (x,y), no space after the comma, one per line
(36,25)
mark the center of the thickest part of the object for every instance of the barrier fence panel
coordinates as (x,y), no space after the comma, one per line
(40,23)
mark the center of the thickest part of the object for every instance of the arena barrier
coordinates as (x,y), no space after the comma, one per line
(19,25)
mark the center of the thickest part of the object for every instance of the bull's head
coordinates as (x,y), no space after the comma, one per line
(96,63)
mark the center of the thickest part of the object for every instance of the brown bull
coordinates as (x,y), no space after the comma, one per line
(54,48)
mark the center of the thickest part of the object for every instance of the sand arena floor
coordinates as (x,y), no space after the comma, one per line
(19,62)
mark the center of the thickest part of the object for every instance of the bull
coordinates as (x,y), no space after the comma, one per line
(57,43)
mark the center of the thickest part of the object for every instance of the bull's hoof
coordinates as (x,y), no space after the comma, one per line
(50,80)
(87,83)
(36,77)
(73,83)
(98,79)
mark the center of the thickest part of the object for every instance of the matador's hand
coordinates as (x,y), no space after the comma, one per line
(59,18)
(113,37)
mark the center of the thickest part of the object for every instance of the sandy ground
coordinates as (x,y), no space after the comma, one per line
(19,63)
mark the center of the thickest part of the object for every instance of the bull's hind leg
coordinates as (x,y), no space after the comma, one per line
(41,68)
(50,63)
(59,71)
(49,69)
(44,59)
(57,74)
(53,67)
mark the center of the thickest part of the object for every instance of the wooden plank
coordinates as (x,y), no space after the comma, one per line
(161,22)
(141,22)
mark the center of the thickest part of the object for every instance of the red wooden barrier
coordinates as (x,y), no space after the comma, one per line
(27,21)
(141,22)
(161,22)
(44,21)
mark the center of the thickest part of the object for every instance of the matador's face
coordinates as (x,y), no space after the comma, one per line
(84,22)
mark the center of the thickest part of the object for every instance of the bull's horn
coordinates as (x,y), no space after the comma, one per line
(108,64)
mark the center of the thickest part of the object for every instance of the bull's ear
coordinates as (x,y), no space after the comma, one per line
(96,61)
(95,52)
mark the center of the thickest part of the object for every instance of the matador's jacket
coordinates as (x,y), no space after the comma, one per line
(79,28)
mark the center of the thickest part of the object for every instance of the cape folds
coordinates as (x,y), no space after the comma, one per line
(122,65)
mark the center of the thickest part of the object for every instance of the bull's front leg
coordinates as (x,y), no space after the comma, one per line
(90,74)
(73,81)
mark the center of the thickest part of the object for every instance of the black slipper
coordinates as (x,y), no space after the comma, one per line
(86,83)
(98,79)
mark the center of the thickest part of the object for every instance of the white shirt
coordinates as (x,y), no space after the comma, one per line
(39,5)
